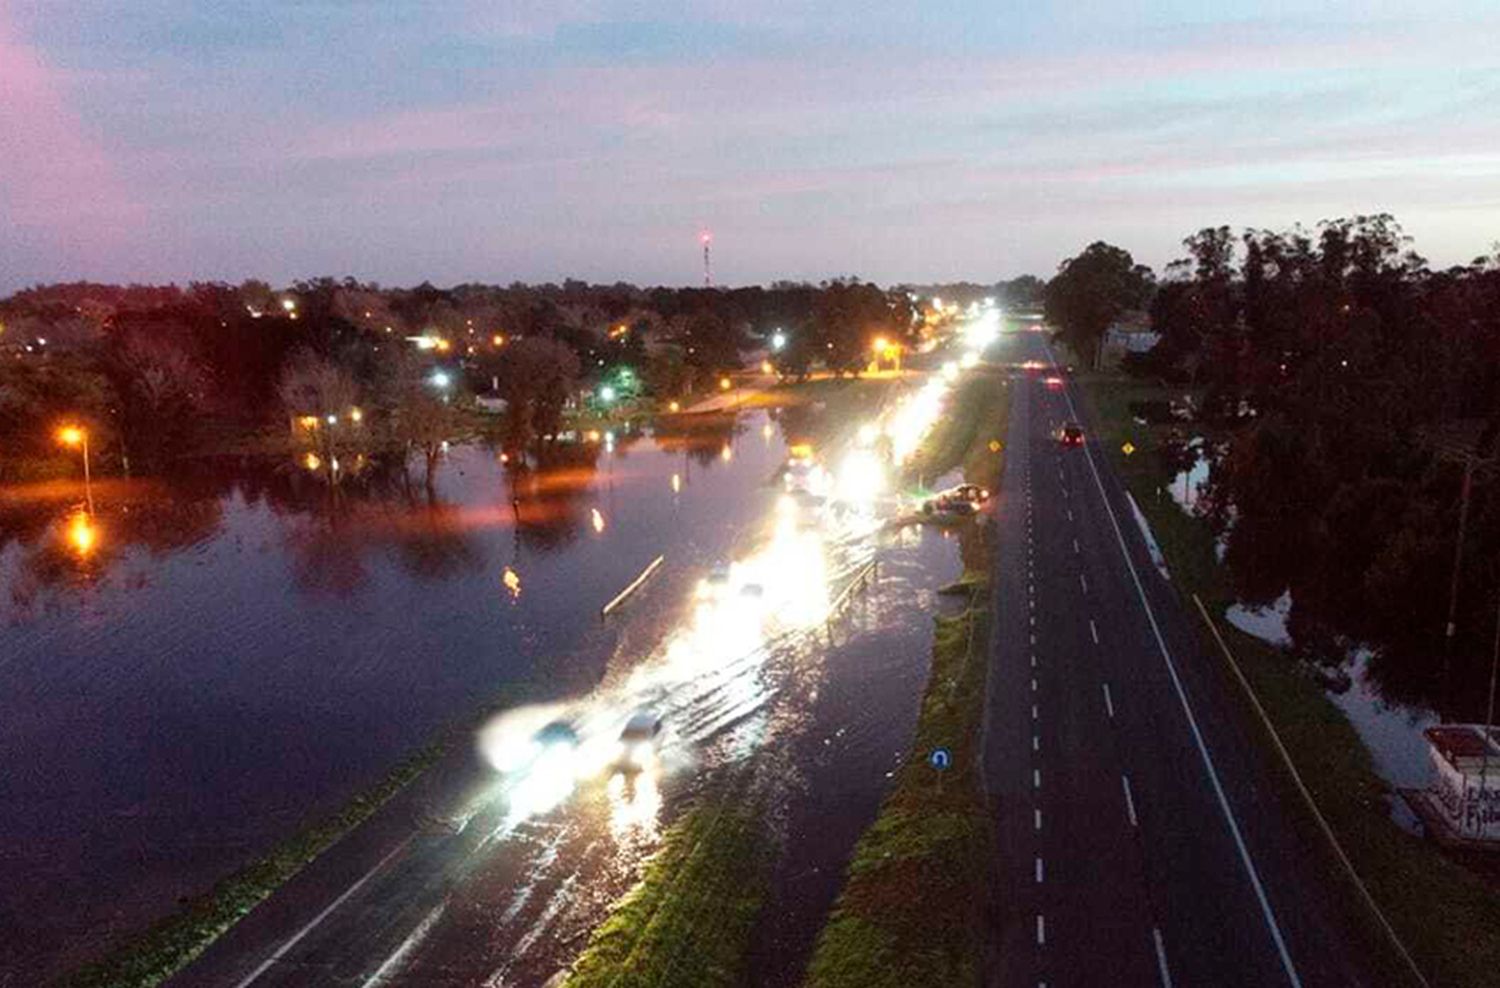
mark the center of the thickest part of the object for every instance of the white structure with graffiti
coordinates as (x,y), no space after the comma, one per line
(1462,802)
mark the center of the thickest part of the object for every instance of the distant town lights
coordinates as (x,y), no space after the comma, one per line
(440,379)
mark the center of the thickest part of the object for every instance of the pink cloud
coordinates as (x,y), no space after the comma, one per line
(53,177)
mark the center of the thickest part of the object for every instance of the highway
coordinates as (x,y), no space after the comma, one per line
(1142,839)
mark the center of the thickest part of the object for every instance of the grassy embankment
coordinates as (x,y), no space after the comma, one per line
(688,922)
(910,910)
(1448,919)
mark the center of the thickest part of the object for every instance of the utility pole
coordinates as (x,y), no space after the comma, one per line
(707,238)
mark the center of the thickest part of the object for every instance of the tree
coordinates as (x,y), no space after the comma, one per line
(1023,292)
(423,421)
(536,378)
(1091,291)
(322,402)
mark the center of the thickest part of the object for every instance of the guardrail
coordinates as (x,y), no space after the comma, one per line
(635,585)
(861,579)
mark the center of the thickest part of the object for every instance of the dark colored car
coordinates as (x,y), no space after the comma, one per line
(1070,434)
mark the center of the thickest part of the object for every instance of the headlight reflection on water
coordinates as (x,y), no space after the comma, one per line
(707,672)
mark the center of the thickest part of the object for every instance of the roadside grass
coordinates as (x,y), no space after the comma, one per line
(975,415)
(1447,917)
(689,920)
(911,910)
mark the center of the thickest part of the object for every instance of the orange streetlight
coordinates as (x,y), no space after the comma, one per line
(72,435)
(723,384)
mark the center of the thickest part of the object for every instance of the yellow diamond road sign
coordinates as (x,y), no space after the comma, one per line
(994,445)
(1127,449)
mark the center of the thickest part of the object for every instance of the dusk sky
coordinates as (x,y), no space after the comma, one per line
(162,140)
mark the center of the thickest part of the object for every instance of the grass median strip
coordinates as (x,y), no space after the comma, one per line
(911,910)
(1445,915)
(688,921)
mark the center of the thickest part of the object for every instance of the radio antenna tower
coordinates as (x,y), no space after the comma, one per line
(708,270)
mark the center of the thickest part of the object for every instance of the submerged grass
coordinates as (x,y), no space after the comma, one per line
(1448,918)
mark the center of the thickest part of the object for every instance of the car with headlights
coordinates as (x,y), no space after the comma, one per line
(1068,434)
(965,499)
(639,739)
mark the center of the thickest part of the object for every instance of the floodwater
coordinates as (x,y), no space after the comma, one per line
(217,659)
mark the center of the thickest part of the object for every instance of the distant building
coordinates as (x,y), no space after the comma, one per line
(1131,333)
(491,404)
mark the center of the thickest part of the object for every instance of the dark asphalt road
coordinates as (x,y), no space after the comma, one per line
(1142,838)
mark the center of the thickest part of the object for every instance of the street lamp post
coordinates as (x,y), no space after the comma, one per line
(72,435)
(1471,463)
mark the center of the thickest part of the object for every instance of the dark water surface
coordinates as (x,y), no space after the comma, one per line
(221,657)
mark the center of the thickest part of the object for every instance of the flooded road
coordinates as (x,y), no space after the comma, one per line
(234,654)
(791,663)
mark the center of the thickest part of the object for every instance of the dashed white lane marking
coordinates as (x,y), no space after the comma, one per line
(1208,763)
(1161,959)
(1041,931)
(1094,630)
(1033,620)
(1109,703)
(1033,686)
(1129,801)
(1036,778)
(1039,870)
(1033,603)
(1083,582)
(1075,547)
(1036,816)
(1033,711)
(1036,743)
(318,919)
(1033,662)
(1033,639)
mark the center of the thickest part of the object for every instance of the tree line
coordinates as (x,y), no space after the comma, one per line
(1346,388)
(159,372)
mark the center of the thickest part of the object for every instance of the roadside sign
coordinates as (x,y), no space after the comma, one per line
(995,445)
(1127,449)
(940,758)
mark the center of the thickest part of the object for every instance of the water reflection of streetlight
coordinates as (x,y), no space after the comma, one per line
(512,582)
(596,519)
(82,533)
(72,435)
